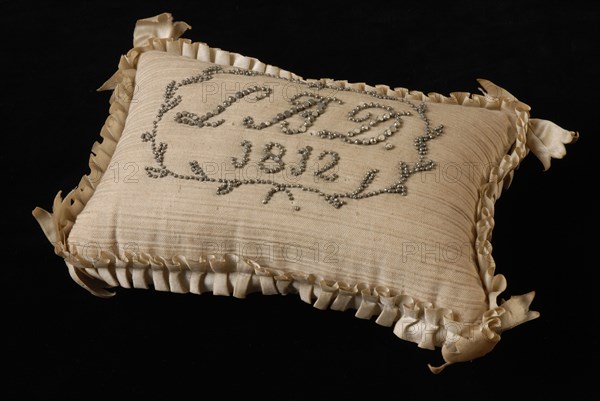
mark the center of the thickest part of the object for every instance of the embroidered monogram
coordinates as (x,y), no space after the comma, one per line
(309,106)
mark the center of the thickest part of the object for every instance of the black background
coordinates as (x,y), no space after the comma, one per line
(66,344)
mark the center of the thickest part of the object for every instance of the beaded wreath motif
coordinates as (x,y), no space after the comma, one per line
(309,106)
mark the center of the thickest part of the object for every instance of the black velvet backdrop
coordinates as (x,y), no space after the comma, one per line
(65,344)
